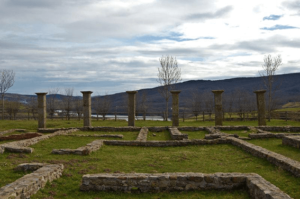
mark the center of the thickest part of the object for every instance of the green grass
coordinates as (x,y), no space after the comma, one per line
(204,159)
(164,135)
(242,133)
(130,135)
(31,125)
(195,134)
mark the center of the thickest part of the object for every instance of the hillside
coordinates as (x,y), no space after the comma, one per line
(289,89)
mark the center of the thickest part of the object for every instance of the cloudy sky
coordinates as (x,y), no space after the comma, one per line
(110,46)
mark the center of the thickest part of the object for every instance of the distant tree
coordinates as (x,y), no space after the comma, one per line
(229,102)
(270,82)
(52,101)
(12,108)
(143,104)
(195,103)
(7,80)
(208,103)
(31,107)
(102,105)
(168,74)
(78,107)
(67,101)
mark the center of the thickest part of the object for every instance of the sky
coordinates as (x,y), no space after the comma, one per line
(111,46)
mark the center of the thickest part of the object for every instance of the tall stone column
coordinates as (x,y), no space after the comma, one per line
(42,114)
(218,107)
(261,108)
(87,108)
(175,108)
(131,107)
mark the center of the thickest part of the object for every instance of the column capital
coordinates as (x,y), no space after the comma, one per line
(175,92)
(42,93)
(84,92)
(131,92)
(217,91)
(259,91)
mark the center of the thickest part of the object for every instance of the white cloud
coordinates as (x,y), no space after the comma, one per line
(114,45)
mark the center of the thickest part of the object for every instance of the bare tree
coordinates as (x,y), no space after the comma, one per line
(32,107)
(208,103)
(52,101)
(195,103)
(78,107)
(12,108)
(7,80)
(168,74)
(102,105)
(229,101)
(143,104)
(67,100)
(271,84)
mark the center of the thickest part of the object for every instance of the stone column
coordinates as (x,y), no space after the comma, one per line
(42,114)
(175,108)
(261,108)
(131,107)
(218,107)
(87,110)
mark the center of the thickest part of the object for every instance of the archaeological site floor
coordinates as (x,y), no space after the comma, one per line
(152,162)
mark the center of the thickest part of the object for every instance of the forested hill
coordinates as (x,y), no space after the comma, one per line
(289,89)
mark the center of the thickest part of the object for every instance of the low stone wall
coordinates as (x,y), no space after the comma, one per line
(20,136)
(293,141)
(85,150)
(158,128)
(31,183)
(280,128)
(233,128)
(52,130)
(166,143)
(142,137)
(270,135)
(22,146)
(111,129)
(95,135)
(212,130)
(142,182)
(275,158)
(190,128)
(176,134)
(7,131)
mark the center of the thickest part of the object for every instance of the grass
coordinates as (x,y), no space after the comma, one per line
(31,125)
(164,135)
(127,135)
(195,134)
(204,159)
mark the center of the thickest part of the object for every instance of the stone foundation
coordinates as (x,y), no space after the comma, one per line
(233,128)
(270,135)
(167,143)
(20,136)
(142,137)
(176,134)
(293,141)
(85,150)
(22,146)
(285,163)
(95,135)
(30,184)
(111,129)
(190,128)
(280,128)
(257,186)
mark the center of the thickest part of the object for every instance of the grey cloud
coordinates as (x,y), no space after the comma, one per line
(209,15)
